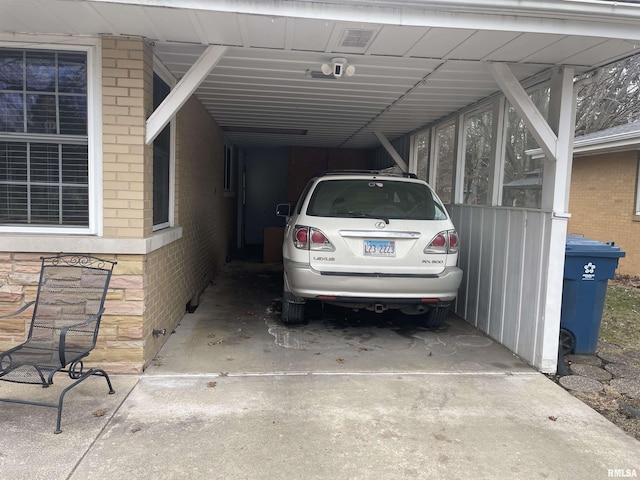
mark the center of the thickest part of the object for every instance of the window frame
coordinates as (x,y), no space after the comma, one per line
(229,170)
(166,76)
(94,132)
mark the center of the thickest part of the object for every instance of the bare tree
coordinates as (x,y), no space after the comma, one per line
(609,98)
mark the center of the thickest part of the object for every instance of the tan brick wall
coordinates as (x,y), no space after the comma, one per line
(183,269)
(127,101)
(602,203)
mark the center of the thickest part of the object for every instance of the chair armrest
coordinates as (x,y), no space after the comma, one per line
(22,309)
(79,327)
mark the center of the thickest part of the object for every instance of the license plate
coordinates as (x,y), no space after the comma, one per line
(380,248)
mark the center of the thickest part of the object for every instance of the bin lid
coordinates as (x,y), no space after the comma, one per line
(579,246)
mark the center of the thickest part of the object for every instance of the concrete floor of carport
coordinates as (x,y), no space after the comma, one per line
(236,394)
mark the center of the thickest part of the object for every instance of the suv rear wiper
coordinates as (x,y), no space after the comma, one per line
(366,215)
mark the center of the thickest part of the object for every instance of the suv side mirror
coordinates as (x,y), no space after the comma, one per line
(283,210)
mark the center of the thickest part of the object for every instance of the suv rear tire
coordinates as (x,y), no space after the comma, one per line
(292,313)
(436,316)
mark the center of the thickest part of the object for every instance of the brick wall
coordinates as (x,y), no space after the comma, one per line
(127,101)
(602,203)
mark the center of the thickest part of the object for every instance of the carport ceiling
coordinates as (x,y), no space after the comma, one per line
(412,66)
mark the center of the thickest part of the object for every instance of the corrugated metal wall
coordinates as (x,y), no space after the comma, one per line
(504,257)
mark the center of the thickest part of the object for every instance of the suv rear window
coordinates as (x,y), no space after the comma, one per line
(375,197)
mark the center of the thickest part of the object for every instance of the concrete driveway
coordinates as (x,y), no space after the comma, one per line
(236,394)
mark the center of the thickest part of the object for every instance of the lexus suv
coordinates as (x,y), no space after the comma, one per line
(370,240)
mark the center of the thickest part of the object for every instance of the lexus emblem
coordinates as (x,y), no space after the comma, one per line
(380,225)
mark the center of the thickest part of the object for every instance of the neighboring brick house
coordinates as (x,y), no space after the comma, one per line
(168,250)
(604,199)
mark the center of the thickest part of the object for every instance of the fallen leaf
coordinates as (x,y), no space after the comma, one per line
(211,335)
(552,418)
(100,412)
(340,360)
(363,349)
(212,384)
(224,374)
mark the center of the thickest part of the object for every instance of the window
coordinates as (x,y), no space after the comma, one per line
(444,161)
(380,199)
(523,173)
(478,133)
(421,154)
(228,169)
(162,153)
(44,141)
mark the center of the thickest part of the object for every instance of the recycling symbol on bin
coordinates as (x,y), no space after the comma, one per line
(589,271)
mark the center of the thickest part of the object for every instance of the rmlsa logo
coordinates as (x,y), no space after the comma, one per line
(589,272)
(622,473)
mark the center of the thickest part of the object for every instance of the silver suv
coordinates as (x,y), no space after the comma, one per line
(370,240)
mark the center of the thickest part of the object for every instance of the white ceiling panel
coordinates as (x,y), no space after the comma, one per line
(560,50)
(522,47)
(481,44)
(312,35)
(265,32)
(396,40)
(604,53)
(218,28)
(438,42)
(415,62)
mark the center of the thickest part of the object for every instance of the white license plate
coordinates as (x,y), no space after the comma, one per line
(380,248)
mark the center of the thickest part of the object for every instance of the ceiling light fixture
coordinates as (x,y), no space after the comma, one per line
(338,67)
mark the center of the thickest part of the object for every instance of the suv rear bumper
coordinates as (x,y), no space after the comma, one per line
(305,282)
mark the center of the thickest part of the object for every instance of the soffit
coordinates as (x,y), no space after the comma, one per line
(413,65)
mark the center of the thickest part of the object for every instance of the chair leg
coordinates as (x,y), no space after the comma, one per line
(96,371)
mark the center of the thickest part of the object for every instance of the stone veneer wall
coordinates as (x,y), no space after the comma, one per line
(120,342)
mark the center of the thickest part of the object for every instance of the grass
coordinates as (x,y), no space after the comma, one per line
(621,314)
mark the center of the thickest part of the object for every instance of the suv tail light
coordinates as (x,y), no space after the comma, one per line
(308,238)
(444,242)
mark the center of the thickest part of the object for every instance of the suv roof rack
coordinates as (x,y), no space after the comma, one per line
(385,172)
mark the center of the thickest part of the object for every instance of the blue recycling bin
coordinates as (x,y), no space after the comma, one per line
(588,266)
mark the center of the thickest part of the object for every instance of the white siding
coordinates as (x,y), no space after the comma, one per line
(504,258)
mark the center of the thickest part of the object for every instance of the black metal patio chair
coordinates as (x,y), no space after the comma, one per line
(64,326)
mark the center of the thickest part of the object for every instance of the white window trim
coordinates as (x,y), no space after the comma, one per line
(94,125)
(168,78)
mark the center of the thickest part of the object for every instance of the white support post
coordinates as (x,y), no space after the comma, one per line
(457,194)
(557,175)
(392,151)
(182,91)
(496,167)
